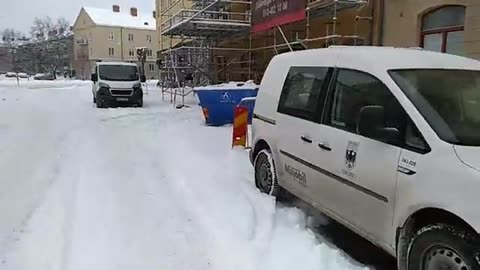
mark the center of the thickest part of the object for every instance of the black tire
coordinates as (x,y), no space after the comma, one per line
(441,246)
(266,173)
(140,103)
(101,103)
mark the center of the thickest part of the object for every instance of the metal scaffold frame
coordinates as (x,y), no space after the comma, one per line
(200,29)
(197,30)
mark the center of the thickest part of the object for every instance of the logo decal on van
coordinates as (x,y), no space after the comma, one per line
(298,175)
(351,154)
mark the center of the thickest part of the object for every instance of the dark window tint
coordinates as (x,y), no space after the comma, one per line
(118,73)
(414,139)
(301,93)
(353,90)
(448,99)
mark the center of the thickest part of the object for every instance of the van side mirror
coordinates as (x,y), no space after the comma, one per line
(94,77)
(143,78)
(371,123)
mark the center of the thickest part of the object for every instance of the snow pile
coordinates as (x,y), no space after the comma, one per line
(137,188)
(229,86)
(33,84)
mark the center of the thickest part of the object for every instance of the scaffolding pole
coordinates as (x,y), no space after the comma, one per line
(285,38)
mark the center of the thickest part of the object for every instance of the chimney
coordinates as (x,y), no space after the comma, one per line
(134,12)
(116,8)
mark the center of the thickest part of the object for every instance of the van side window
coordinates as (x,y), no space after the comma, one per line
(414,139)
(352,91)
(301,93)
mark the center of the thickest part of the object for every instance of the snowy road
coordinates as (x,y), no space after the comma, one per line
(127,188)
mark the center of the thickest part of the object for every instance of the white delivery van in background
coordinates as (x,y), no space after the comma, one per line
(384,140)
(117,83)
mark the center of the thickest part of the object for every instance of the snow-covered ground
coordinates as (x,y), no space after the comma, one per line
(135,188)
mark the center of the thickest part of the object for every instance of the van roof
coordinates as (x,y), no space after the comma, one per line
(116,63)
(386,58)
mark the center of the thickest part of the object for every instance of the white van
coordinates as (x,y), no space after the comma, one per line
(117,82)
(383,140)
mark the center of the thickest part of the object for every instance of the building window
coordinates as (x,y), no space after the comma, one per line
(111,51)
(443,30)
(152,67)
(131,52)
(130,37)
(149,52)
(111,36)
(149,38)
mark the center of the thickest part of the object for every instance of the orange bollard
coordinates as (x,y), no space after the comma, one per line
(240,127)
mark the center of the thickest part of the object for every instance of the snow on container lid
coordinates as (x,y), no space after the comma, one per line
(229,86)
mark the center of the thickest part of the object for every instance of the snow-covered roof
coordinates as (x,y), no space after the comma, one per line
(107,17)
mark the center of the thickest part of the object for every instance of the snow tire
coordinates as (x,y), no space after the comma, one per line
(442,246)
(266,173)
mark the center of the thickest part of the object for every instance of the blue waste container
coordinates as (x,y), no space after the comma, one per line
(218,103)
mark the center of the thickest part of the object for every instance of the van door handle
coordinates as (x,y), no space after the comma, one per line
(306,139)
(324,147)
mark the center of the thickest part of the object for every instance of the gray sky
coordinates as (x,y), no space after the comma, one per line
(19,14)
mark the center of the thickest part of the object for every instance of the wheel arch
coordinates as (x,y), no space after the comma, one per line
(260,145)
(427,216)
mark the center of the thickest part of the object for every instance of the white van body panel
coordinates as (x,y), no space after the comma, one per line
(446,178)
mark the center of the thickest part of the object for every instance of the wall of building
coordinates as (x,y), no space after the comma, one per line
(321,26)
(165,9)
(403,19)
(102,40)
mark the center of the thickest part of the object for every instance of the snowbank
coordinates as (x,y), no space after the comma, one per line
(33,84)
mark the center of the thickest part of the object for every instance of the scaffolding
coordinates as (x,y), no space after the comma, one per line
(199,31)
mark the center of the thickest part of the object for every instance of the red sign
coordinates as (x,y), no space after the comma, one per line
(267,14)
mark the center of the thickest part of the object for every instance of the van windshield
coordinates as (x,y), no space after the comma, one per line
(118,73)
(449,100)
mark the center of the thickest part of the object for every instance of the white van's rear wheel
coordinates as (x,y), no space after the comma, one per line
(265,173)
(439,247)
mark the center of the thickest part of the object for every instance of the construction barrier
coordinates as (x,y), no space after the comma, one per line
(240,126)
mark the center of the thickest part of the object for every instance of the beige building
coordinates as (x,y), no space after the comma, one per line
(224,45)
(113,35)
(451,26)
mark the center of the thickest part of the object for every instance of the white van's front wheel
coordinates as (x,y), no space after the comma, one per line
(265,173)
(440,246)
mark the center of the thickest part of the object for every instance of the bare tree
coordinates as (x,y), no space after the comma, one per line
(11,40)
(52,43)
(41,28)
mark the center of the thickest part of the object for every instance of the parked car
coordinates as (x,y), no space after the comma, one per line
(383,140)
(44,77)
(11,75)
(23,75)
